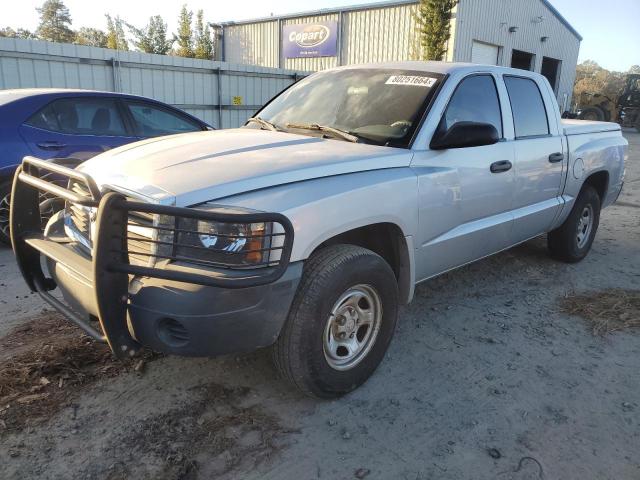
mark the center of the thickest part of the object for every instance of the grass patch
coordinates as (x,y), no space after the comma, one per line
(606,311)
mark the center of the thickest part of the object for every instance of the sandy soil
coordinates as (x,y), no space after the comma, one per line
(485,378)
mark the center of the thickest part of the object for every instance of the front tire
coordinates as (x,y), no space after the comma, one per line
(341,321)
(572,240)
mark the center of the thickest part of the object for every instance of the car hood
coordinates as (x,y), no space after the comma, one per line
(192,168)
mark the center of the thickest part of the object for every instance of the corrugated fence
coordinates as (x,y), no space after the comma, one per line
(222,94)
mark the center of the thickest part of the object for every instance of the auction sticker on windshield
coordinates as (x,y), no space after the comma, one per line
(414,80)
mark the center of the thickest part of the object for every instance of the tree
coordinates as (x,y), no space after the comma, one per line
(185,33)
(433,22)
(20,33)
(153,37)
(55,22)
(116,38)
(203,41)
(591,78)
(92,37)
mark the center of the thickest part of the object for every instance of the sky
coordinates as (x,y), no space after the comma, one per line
(611,34)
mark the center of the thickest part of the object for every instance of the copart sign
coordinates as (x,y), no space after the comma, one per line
(318,39)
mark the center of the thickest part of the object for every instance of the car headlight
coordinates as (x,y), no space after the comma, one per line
(222,244)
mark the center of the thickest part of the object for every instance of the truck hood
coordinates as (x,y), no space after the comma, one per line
(193,168)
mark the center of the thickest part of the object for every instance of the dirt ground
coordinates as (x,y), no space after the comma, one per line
(493,373)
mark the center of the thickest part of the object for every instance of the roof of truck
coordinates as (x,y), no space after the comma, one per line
(440,67)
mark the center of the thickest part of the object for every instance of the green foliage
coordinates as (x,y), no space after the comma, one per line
(153,37)
(55,22)
(9,32)
(92,37)
(184,37)
(433,22)
(591,78)
(203,40)
(116,38)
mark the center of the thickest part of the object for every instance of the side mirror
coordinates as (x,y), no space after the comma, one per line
(465,134)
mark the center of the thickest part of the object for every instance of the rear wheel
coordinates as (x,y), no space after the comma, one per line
(341,321)
(572,240)
(5,201)
(592,113)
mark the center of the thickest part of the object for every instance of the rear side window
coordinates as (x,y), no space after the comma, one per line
(529,114)
(153,121)
(80,116)
(475,100)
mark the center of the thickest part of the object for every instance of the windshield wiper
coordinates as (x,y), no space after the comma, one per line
(264,123)
(336,132)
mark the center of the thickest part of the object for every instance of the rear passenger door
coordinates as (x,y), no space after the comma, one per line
(78,127)
(539,157)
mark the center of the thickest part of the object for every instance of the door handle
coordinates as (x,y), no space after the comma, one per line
(556,157)
(51,145)
(501,166)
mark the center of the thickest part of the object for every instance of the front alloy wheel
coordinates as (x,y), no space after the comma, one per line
(5,201)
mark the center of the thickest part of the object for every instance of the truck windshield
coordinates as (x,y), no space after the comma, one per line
(383,107)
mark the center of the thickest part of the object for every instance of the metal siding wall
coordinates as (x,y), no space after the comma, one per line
(379,35)
(184,82)
(489,20)
(372,35)
(252,43)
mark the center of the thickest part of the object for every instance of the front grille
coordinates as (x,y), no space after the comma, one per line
(80,216)
(140,227)
(140,231)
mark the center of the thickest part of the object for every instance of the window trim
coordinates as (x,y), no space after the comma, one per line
(123,120)
(544,107)
(455,90)
(126,101)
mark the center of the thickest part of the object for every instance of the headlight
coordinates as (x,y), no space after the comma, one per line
(220,244)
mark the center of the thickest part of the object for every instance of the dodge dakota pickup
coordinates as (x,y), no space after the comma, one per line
(306,228)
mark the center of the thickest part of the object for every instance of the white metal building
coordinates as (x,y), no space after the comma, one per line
(529,34)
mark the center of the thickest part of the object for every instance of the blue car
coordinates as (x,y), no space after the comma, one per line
(78,124)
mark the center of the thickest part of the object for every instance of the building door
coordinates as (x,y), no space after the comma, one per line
(522,60)
(551,70)
(484,53)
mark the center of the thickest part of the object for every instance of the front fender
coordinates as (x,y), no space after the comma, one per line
(323,208)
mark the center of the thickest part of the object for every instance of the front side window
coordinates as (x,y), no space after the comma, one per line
(80,116)
(529,114)
(154,121)
(377,106)
(475,100)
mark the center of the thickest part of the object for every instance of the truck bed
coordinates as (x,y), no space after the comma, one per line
(577,127)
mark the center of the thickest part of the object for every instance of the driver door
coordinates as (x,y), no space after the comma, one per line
(464,204)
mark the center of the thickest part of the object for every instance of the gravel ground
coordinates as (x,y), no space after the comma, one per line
(485,378)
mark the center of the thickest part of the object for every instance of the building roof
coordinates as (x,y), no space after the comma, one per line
(369,6)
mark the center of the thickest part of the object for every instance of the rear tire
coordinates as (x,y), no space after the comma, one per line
(592,113)
(572,241)
(5,201)
(341,321)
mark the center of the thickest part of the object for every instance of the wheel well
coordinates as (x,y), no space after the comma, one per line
(388,241)
(599,181)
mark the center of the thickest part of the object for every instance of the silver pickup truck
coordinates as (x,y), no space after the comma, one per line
(305,229)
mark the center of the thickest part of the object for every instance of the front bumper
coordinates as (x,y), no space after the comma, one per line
(177,308)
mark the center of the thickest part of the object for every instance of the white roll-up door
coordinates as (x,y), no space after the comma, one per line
(484,53)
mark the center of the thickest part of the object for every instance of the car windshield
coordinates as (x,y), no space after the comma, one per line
(376,106)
